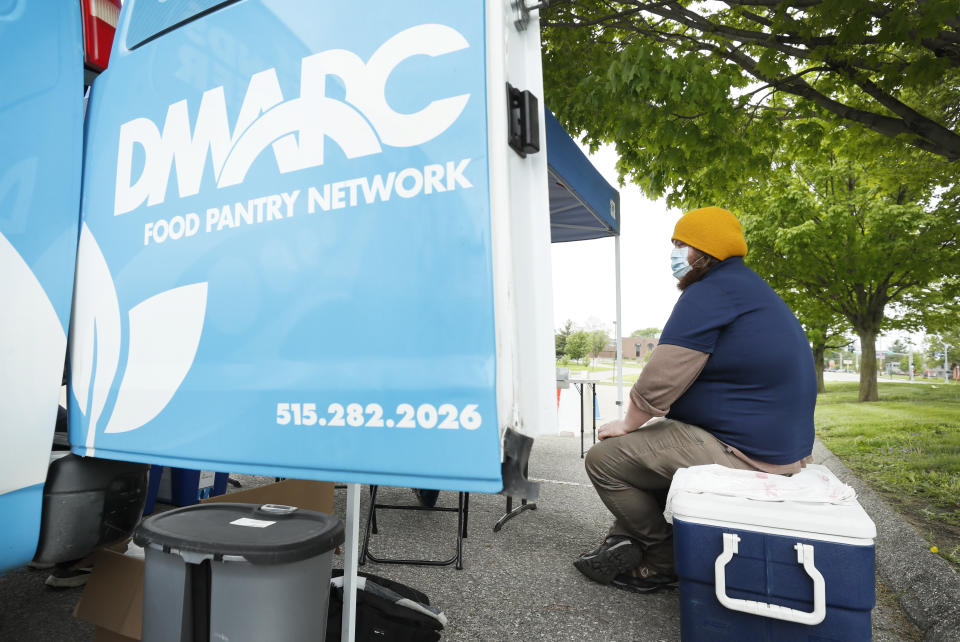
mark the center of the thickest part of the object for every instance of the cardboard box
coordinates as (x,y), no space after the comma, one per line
(113,598)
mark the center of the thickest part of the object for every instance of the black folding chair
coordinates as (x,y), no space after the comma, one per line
(462,510)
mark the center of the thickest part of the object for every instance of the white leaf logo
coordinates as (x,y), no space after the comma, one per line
(165,332)
(32,343)
(94,331)
(164,335)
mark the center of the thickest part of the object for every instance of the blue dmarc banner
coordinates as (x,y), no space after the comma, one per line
(285,255)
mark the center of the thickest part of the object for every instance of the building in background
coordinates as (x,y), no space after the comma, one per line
(636,348)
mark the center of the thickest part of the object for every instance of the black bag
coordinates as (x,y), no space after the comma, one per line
(386,610)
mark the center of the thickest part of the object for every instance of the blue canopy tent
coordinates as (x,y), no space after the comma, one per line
(583,205)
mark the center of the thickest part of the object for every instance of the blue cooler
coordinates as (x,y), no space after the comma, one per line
(773,570)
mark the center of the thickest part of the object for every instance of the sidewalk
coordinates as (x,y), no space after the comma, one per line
(520,583)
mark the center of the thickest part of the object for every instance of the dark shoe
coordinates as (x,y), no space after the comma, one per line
(427,498)
(643,580)
(618,554)
(68,576)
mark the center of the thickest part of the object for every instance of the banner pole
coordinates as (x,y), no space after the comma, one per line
(619,331)
(349,622)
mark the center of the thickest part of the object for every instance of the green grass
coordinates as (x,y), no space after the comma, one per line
(907,446)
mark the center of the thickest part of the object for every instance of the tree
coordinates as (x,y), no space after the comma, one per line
(944,317)
(904,363)
(696,95)
(947,342)
(899,354)
(825,328)
(898,347)
(578,345)
(598,341)
(855,234)
(646,332)
(560,338)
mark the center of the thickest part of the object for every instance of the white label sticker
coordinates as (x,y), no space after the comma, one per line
(253,523)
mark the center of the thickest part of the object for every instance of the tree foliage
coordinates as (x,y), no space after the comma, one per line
(850,236)
(646,332)
(898,347)
(826,328)
(696,95)
(598,341)
(578,345)
(560,338)
(946,341)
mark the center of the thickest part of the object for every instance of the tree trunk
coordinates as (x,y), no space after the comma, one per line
(868,365)
(818,351)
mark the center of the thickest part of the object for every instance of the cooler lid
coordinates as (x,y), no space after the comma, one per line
(260,533)
(847,520)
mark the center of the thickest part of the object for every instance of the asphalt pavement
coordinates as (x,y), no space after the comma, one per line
(520,584)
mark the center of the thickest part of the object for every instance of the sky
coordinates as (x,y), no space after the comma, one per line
(584,285)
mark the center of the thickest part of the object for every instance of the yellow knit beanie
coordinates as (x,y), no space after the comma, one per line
(713,230)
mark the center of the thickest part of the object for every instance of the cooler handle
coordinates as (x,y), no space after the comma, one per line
(804,556)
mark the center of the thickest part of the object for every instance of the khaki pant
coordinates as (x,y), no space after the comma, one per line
(632,475)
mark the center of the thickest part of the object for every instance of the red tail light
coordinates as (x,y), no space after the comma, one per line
(99,25)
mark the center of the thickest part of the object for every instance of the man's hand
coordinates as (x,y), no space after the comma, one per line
(630,422)
(615,428)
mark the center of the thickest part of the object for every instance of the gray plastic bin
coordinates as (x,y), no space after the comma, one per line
(237,572)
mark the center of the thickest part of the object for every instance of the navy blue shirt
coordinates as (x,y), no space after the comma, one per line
(758,389)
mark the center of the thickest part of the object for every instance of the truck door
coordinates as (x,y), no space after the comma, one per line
(295,253)
(41,127)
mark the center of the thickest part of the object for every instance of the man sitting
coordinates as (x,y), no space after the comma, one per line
(731,382)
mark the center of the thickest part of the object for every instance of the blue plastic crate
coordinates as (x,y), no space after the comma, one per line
(185,487)
(156,472)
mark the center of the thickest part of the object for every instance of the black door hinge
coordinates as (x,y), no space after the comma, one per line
(524,118)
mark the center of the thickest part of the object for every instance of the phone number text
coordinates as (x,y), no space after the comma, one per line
(446,416)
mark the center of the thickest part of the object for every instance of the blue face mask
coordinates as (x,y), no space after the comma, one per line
(678,262)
